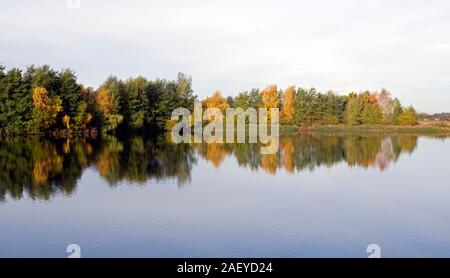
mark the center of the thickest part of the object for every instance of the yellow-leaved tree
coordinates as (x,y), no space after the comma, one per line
(216,101)
(288,110)
(408,117)
(45,110)
(108,108)
(270,99)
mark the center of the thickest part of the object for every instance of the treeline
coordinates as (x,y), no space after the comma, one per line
(303,107)
(41,100)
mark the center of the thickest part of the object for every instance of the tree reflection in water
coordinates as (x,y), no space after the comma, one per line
(42,168)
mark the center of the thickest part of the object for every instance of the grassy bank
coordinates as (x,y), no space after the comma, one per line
(383,129)
(288,130)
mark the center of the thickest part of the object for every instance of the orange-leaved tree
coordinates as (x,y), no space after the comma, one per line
(288,110)
(216,101)
(108,108)
(45,110)
(270,99)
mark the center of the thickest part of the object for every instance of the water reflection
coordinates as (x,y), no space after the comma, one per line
(43,168)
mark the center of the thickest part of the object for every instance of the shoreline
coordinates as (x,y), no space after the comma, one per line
(420,129)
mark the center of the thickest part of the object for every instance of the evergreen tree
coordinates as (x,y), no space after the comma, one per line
(15,101)
(136,102)
(69,92)
(44,77)
(398,110)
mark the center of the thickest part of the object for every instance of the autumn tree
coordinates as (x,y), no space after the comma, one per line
(45,110)
(216,101)
(387,106)
(362,109)
(288,110)
(408,117)
(270,99)
(353,110)
(108,108)
(371,113)
(41,98)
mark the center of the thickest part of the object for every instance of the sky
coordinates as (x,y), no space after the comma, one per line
(232,46)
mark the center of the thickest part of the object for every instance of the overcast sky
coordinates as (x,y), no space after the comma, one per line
(231,46)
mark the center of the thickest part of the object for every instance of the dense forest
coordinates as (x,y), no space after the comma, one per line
(41,100)
(306,107)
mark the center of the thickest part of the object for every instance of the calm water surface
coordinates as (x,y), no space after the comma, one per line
(320,196)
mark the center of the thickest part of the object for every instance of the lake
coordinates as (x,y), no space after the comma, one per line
(319,196)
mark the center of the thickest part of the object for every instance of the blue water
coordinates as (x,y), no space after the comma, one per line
(224,209)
